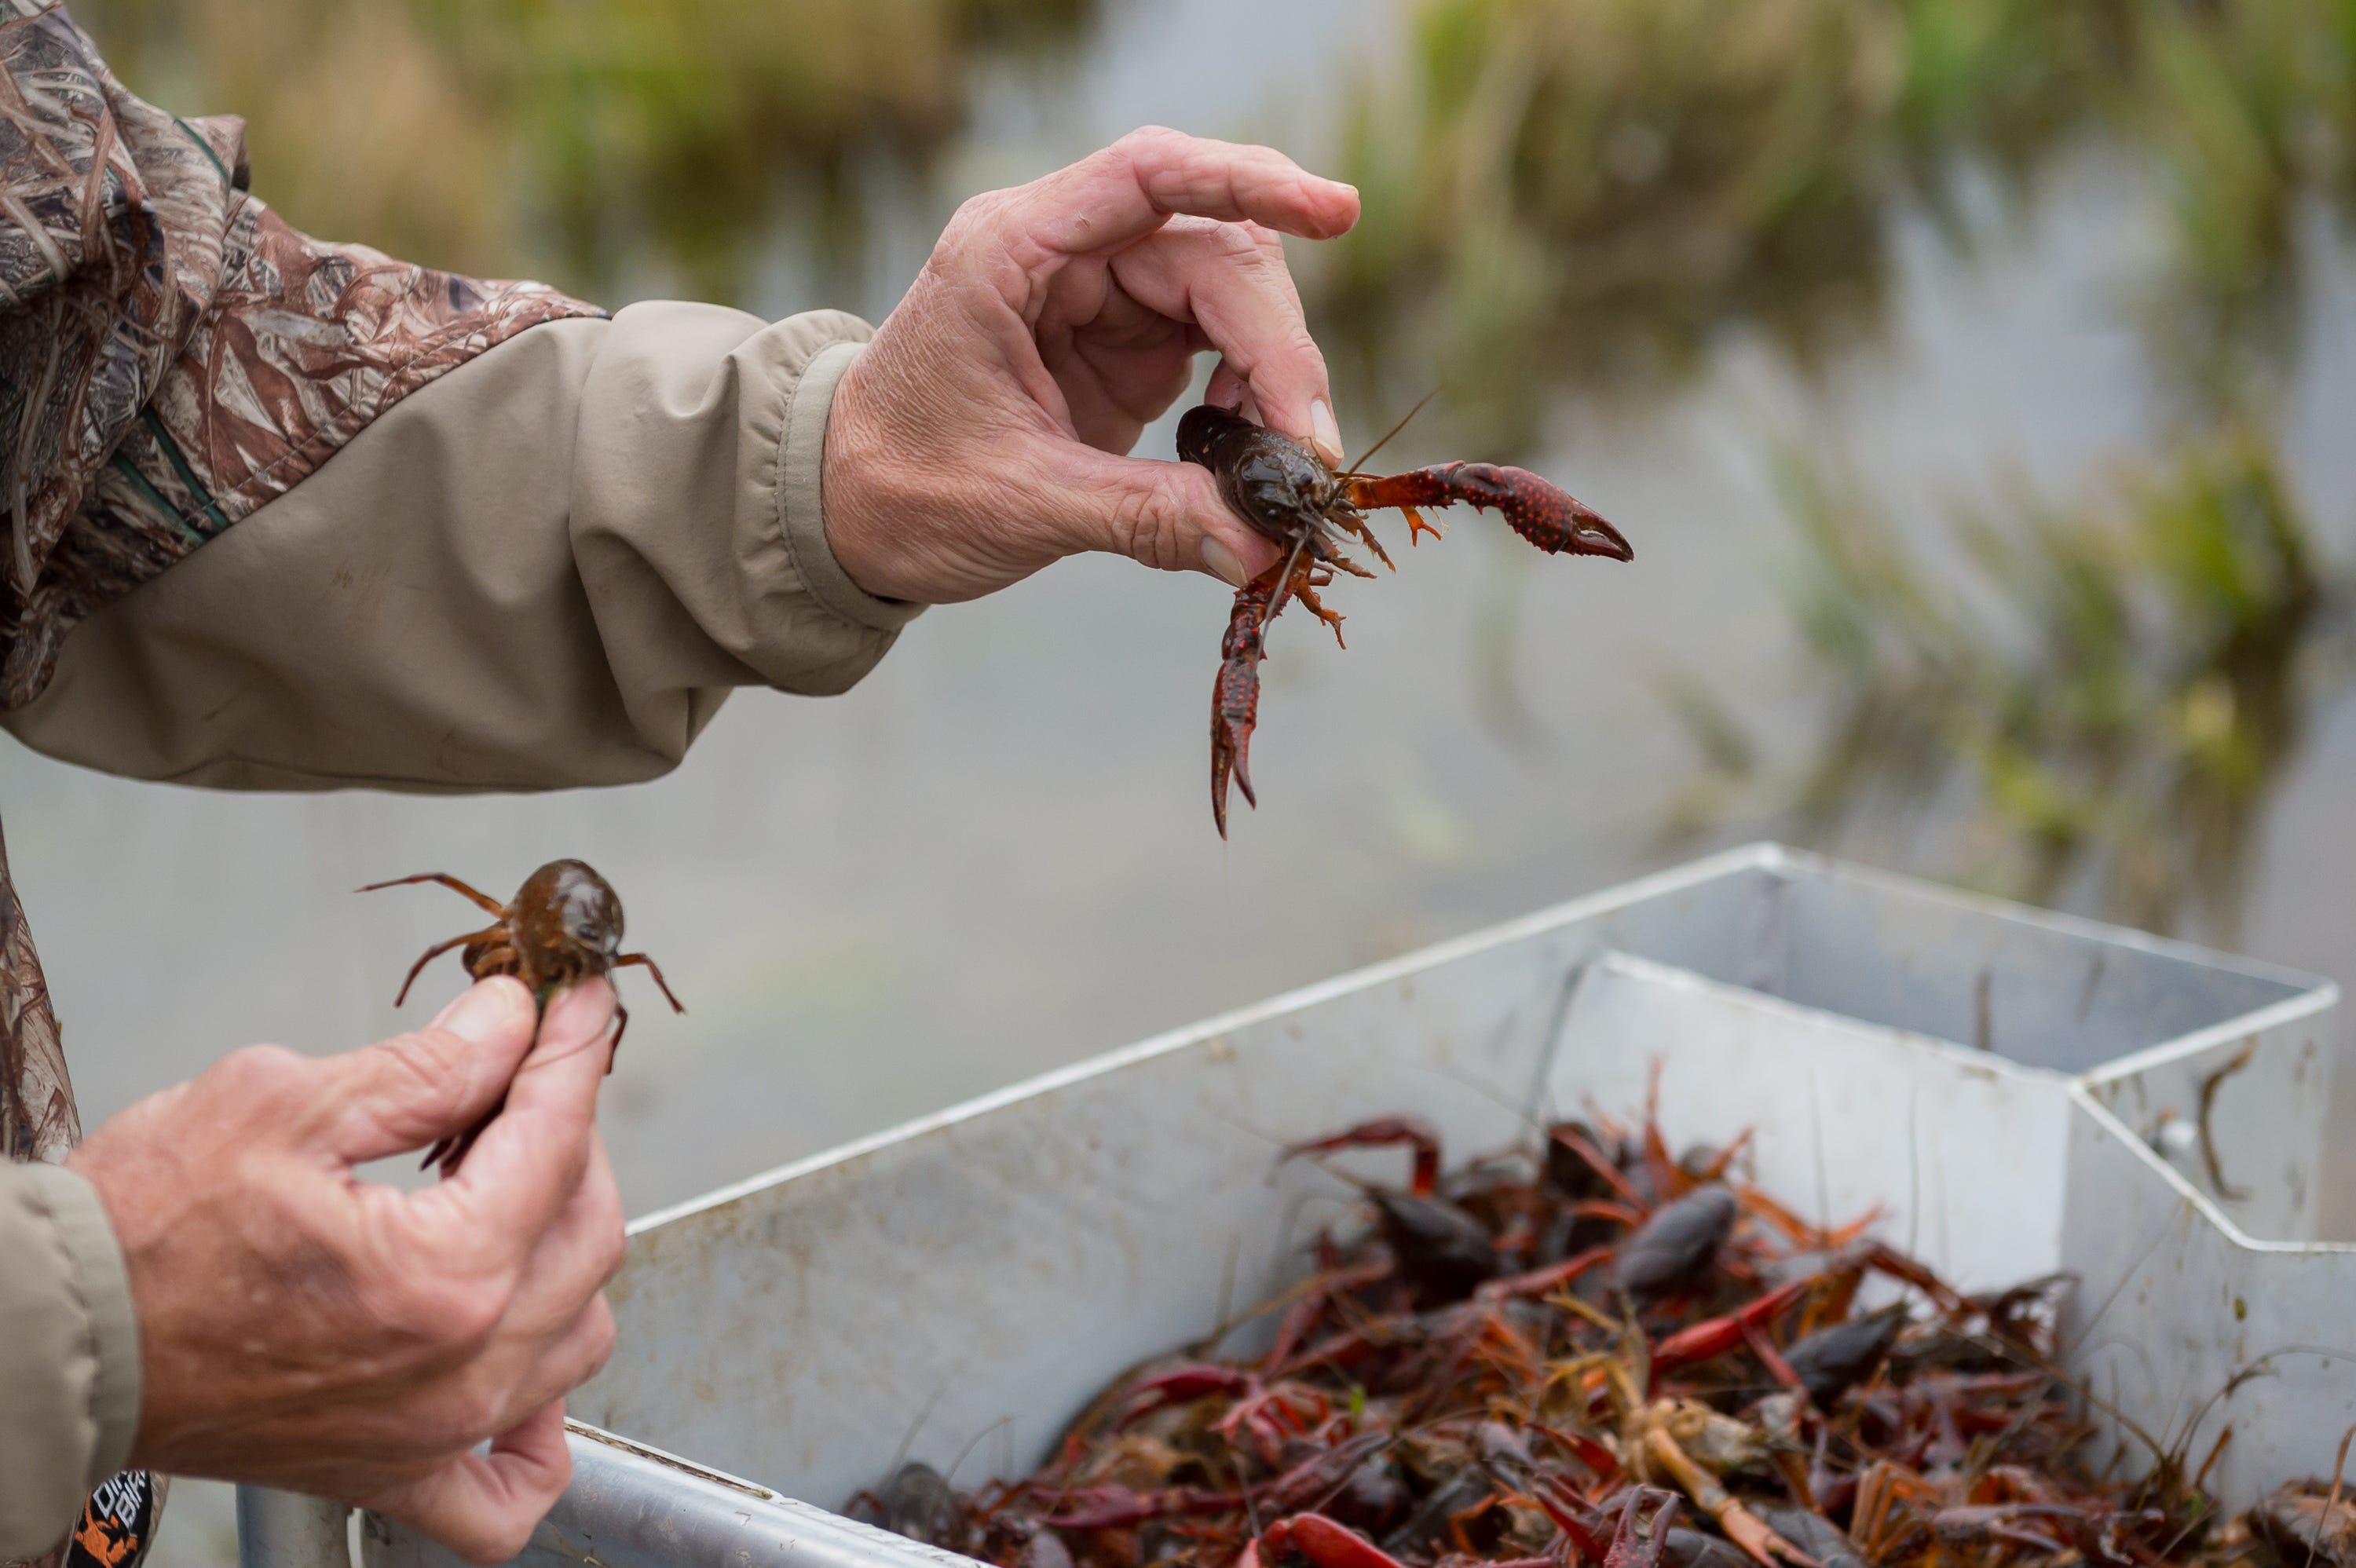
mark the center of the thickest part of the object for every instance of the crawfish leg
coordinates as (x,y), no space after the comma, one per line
(1305,590)
(1235,696)
(1356,525)
(642,961)
(1542,513)
(489,904)
(436,950)
(1410,1132)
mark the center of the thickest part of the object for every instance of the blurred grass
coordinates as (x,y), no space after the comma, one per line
(575,139)
(1565,195)
(2101,699)
(1576,199)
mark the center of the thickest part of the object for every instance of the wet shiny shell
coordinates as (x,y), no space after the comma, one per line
(1270,480)
(565,922)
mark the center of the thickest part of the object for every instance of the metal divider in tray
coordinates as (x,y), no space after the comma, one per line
(2016,1093)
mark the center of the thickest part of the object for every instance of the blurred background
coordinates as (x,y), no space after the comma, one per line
(1975,378)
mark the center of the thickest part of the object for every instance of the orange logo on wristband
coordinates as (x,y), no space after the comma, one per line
(115,1524)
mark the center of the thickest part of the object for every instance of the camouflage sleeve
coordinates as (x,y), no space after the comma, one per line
(172,354)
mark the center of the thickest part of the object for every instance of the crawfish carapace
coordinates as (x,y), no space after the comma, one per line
(563,926)
(1285,491)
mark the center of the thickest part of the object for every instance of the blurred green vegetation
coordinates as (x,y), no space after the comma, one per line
(1574,193)
(571,139)
(2100,699)
(1568,198)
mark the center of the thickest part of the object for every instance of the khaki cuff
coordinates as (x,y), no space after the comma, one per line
(88,1237)
(801,459)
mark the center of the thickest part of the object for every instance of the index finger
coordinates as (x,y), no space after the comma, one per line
(517,1177)
(1147,176)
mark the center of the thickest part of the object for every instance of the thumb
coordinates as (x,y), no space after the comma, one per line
(1168,516)
(529,1160)
(401,1093)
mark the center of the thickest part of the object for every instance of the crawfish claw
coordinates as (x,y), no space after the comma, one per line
(1235,697)
(1413,1132)
(1540,511)
(1230,752)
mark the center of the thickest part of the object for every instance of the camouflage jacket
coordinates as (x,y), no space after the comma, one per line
(172,356)
(593,533)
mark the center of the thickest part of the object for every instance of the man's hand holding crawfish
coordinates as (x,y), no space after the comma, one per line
(307,1331)
(983,434)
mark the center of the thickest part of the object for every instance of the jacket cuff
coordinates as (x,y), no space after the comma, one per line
(88,1238)
(802,503)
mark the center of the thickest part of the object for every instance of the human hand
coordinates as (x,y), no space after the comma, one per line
(303,1330)
(982,436)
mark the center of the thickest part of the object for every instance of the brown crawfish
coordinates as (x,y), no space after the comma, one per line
(563,926)
(1285,491)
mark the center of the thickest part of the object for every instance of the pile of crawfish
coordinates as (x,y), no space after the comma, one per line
(1604,1355)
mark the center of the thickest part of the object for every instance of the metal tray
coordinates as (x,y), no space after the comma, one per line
(1986,1074)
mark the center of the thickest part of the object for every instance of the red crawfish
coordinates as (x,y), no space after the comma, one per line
(563,926)
(1285,491)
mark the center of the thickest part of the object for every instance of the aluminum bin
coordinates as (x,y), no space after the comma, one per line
(2012,1089)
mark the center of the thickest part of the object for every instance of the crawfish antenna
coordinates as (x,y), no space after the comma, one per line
(1283,580)
(1367,456)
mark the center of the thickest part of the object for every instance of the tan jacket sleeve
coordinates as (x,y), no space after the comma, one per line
(69,1359)
(545,569)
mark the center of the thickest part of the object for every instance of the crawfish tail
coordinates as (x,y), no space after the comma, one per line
(1540,511)
(1235,697)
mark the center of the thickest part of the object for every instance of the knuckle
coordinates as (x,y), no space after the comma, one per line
(1234,245)
(476,1410)
(261,1073)
(598,1346)
(1147,527)
(613,1250)
(1152,139)
(974,215)
(434,1058)
(1166,160)
(449,1425)
(451,1320)
(474,1312)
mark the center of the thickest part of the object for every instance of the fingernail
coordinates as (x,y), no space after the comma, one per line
(1325,433)
(1225,561)
(485,1011)
(584,1009)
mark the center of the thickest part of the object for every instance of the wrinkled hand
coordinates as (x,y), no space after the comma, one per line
(303,1329)
(981,435)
